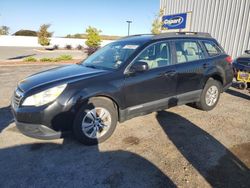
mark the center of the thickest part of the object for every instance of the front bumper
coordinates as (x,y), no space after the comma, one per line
(51,121)
(38,131)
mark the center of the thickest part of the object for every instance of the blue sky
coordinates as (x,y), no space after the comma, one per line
(74,16)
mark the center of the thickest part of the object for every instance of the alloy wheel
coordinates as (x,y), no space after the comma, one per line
(212,95)
(96,122)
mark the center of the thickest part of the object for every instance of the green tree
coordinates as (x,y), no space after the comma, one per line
(4,30)
(25,33)
(93,37)
(43,35)
(157,23)
(77,35)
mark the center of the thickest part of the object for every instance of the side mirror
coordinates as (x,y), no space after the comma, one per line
(247,51)
(139,66)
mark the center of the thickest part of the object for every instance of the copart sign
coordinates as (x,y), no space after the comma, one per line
(177,21)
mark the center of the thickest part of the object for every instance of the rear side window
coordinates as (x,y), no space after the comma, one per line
(188,51)
(212,48)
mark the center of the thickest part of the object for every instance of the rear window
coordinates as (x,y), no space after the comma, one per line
(212,48)
(187,51)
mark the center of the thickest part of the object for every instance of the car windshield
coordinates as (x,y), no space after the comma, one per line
(112,56)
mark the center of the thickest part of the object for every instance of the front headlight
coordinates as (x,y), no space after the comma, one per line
(44,97)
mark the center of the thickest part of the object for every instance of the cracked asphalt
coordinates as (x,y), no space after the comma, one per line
(178,147)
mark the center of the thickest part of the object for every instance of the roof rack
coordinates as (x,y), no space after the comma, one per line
(181,34)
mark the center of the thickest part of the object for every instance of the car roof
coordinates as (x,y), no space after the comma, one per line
(149,37)
(182,35)
(137,38)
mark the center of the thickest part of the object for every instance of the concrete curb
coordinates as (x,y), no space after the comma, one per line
(18,63)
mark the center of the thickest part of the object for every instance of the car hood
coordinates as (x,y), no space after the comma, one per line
(61,75)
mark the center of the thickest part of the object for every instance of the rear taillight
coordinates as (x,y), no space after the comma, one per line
(229,59)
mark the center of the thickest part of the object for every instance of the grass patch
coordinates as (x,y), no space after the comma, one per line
(46,59)
(30,59)
(64,58)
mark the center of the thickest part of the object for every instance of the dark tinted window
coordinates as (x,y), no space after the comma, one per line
(156,55)
(212,48)
(188,51)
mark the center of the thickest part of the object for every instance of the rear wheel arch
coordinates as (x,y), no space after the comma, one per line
(216,77)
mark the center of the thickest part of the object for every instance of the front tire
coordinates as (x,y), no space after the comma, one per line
(210,95)
(95,121)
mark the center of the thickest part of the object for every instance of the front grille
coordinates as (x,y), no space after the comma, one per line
(17,97)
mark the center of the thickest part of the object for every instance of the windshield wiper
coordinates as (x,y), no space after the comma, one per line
(91,66)
(98,67)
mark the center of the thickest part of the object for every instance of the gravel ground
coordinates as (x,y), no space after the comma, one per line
(179,147)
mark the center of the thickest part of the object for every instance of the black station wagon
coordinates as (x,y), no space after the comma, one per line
(133,76)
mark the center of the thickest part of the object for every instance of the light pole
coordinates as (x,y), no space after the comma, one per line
(129,22)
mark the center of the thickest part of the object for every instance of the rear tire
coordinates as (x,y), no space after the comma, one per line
(210,95)
(95,121)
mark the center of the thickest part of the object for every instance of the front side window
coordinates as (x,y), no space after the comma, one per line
(212,48)
(112,56)
(156,55)
(188,51)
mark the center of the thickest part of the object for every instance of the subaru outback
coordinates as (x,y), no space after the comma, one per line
(133,76)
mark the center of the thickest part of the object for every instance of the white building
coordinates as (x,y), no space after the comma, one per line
(27,41)
(226,20)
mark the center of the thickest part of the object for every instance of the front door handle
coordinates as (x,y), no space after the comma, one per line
(205,65)
(169,73)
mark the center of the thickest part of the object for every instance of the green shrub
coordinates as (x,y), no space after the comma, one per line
(43,35)
(68,47)
(4,30)
(45,59)
(91,50)
(157,23)
(79,47)
(56,47)
(93,37)
(60,58)
(64,58)
(30,59)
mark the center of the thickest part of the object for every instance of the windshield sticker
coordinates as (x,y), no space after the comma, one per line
(133,47)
